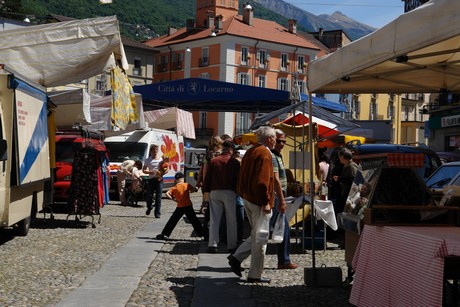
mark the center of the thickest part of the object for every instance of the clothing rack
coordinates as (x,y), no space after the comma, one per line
(89,183)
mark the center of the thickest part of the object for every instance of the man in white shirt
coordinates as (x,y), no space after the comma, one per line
(154,182)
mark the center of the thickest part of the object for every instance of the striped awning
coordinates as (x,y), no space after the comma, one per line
(172,118)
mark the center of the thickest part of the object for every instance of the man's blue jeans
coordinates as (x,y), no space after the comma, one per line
(285,246)
(154,187)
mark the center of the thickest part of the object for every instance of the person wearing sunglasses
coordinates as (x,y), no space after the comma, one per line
(284,260)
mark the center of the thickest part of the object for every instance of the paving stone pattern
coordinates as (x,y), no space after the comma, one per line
(58,255)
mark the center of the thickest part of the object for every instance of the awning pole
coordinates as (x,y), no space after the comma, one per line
(312,189)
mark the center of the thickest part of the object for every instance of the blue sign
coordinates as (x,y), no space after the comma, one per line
(208,95)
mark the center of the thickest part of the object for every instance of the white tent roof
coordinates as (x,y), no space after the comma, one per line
(170,118)
(417,52)
(64,52)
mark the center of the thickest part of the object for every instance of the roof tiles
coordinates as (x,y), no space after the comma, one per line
(260,29)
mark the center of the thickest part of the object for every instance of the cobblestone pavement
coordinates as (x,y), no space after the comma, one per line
(57,255)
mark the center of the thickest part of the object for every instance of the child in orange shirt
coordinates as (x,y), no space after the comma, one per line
(181,194)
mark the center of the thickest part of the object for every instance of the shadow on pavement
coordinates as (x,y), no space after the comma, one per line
(52,223)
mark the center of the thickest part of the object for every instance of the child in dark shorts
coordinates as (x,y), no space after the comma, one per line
(181,194)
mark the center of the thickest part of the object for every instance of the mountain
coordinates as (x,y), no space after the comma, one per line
(144,19)
(336,21)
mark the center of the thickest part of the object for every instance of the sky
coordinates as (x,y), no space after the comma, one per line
(375,13)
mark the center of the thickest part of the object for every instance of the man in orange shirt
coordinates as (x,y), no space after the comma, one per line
(181,194)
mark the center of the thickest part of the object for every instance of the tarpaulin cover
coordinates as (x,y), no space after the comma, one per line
(418,52)
(392,159)
(172,118)
(302,108)
(63,52)
(209,95)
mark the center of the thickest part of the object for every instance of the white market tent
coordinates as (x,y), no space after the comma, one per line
(64,52)
(172,118)
(417,52)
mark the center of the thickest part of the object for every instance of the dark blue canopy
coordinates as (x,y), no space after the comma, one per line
(209,95)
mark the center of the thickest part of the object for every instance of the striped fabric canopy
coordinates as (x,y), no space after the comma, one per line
(172,118)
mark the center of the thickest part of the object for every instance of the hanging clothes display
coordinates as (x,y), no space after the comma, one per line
(89,183)
(124,107)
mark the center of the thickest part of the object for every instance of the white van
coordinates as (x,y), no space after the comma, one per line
(135,145)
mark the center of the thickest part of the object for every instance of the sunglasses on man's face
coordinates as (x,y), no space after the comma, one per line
(278,141)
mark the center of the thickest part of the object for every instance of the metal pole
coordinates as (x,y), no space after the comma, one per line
(312,190)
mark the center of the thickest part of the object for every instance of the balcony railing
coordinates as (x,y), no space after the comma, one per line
(137,71)
(162,68)
(177,66)
(204,61)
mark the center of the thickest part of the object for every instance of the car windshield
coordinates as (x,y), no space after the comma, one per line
(65,151)
(442,176)
(456,181)
(121,151)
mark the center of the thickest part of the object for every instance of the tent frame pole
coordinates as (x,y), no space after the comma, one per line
(312,189)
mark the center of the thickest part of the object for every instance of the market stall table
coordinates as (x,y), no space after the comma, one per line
(402,265)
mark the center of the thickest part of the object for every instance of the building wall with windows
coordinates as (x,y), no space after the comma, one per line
(406,112)
(238,49)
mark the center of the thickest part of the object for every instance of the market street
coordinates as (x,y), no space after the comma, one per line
(60,261)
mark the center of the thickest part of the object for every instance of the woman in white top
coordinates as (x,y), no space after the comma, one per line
(323,167)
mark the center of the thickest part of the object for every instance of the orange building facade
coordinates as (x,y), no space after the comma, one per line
(222,45)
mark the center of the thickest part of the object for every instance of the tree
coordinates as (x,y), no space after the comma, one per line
(12,9)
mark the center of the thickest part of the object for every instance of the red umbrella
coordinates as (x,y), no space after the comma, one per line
(326,130)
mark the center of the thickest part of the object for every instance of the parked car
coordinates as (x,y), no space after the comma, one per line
(449,156)
(447,174)
(67,143)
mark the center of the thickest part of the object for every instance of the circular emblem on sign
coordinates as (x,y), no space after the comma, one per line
(193,87)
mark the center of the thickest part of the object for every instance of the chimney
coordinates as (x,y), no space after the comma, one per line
(171,30)
(190,24)
(320,32)
(218,22)
(292,26)
(210,19)
(248,12)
